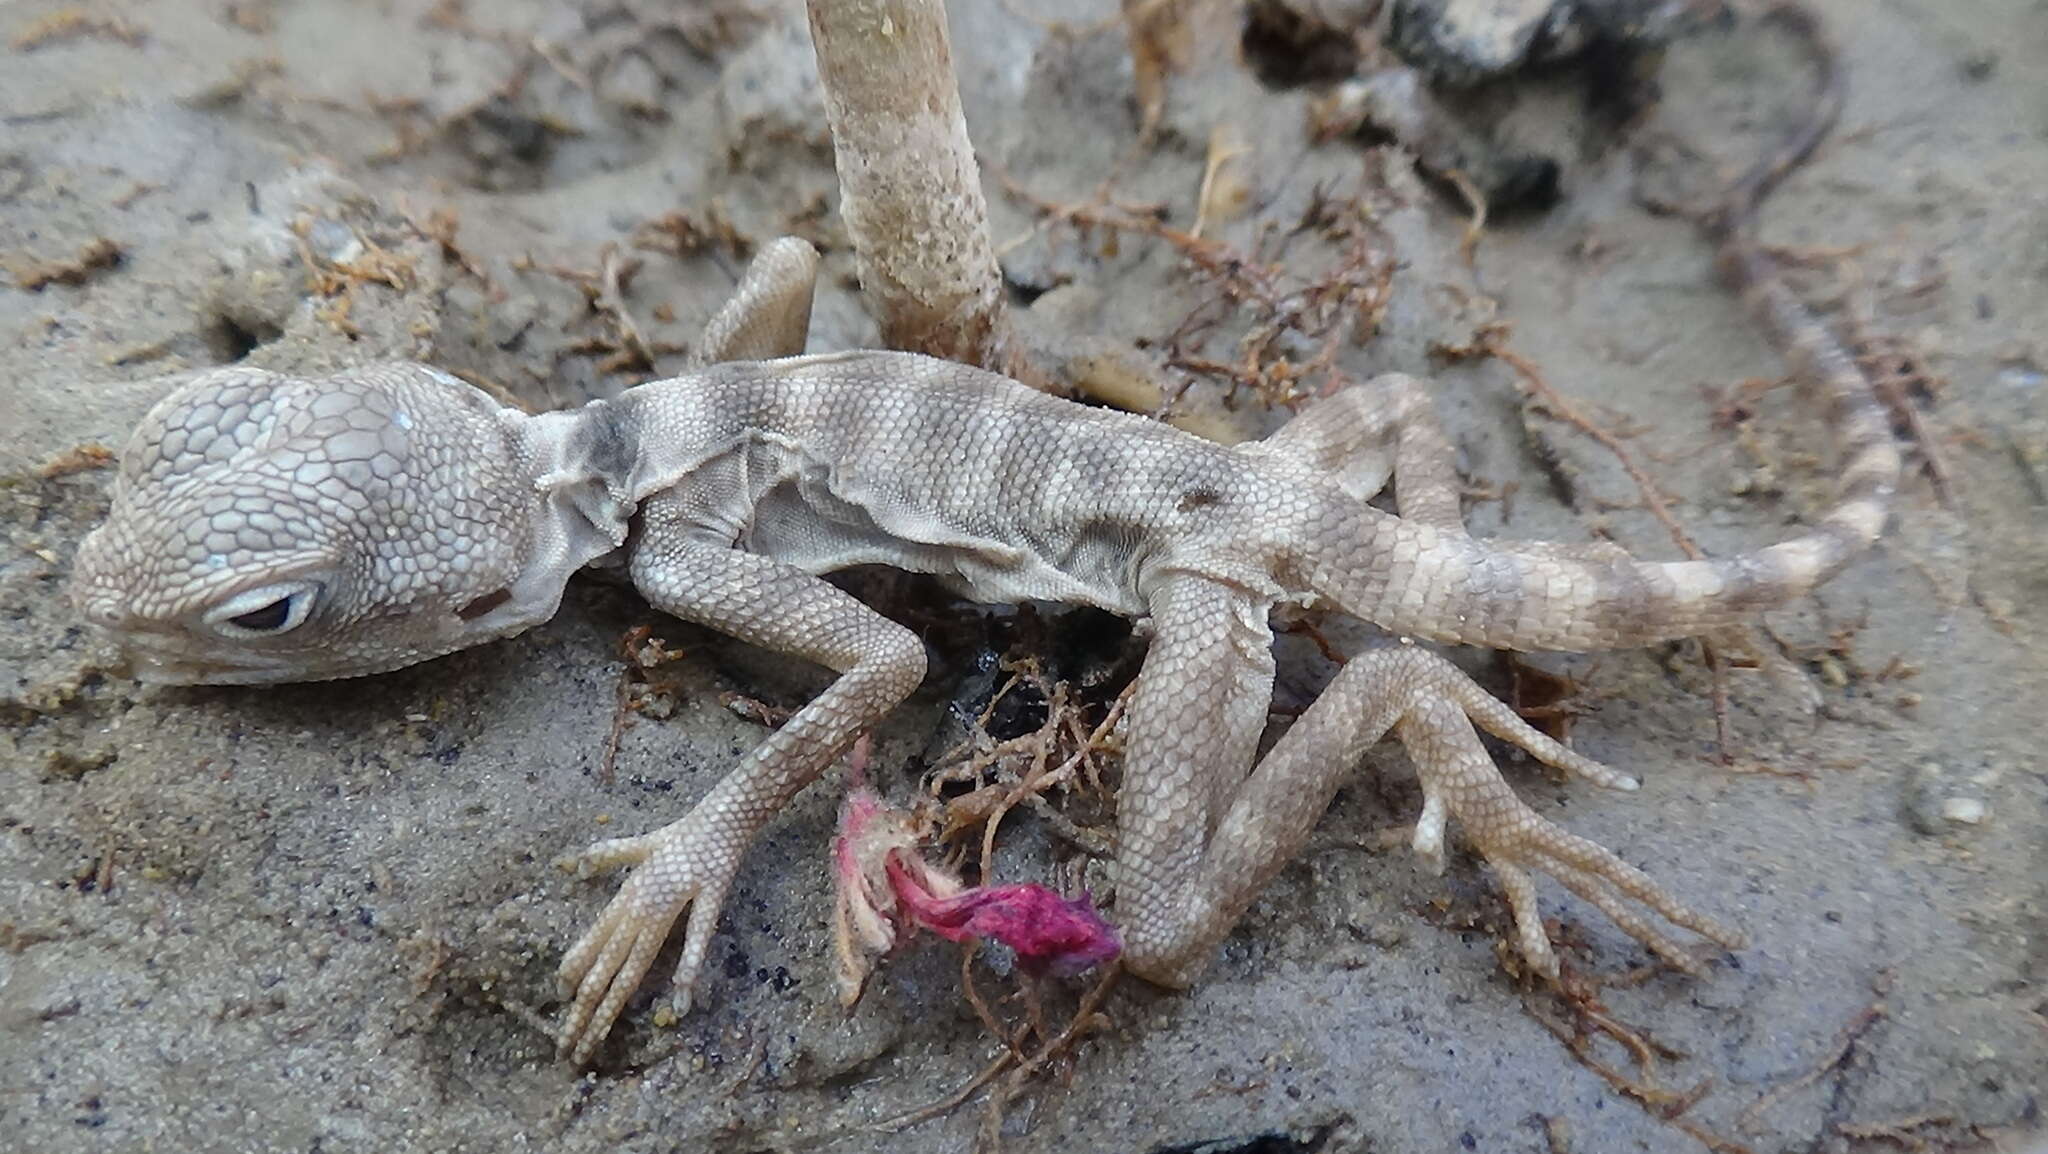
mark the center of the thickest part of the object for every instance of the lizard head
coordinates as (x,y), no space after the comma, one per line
(273,528)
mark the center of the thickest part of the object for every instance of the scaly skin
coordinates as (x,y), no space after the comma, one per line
(269,528)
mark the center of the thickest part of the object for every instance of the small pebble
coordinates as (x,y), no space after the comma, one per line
(1966,810)
(1385,933)
(1923,803)
(633,84)
(1832,672)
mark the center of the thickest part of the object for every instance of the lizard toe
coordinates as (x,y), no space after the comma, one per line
(1530,937)
(679,867)
(1460,780)
(609,854)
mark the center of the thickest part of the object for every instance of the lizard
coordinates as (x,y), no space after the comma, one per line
(268,528)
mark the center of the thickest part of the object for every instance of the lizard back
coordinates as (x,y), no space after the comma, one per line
(1004,493)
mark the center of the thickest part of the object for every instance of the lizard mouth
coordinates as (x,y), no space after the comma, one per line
(153,666)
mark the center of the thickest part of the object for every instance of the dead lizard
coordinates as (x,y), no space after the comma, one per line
(269,528)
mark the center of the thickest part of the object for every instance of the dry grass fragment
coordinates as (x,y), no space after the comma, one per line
(75,24)
(34,274)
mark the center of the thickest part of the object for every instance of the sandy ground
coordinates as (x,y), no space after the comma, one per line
(322,917)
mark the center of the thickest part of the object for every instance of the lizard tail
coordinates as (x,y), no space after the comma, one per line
(1443,585)
(1456,589)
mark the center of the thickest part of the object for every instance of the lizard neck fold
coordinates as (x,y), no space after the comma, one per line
(579,462)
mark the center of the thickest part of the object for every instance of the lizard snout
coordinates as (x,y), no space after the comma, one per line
(100,605)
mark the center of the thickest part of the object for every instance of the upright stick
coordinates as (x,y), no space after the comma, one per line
(909,186)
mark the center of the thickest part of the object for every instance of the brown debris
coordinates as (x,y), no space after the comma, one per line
(1549,701)
(1587,1018)
(441,226)
(34,274)
(642,690)
(1845,1044)
(754,709)
(1344,304)
(75,24)
(1157,34)
(623,347)
(77,459)
(1898,1131)
(1064,753)
(614,272)
(338,280)
(1021,1065)
(1489,341)
(1172,36)
(680,234)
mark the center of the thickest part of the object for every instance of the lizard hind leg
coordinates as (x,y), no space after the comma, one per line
(1459,779)
(769,313)
(1431,705)
(1384,428)
(1190,737)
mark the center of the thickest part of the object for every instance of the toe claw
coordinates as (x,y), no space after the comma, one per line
(611,853)
(1429,835)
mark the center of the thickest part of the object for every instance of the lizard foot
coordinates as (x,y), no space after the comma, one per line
(1460,780)
(680,865)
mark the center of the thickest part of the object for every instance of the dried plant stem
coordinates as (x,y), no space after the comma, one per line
(910,190)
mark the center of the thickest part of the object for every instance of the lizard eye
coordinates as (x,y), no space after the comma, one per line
(264,612)
(268,619)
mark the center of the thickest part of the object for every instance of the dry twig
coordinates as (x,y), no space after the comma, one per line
(1346,303)
(1845,1043)
(1589,1018)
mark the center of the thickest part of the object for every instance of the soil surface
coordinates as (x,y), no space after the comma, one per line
(324,917)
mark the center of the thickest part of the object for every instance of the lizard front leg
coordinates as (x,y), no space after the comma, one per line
(691,863)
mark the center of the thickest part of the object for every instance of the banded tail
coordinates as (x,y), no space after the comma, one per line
(1456,589)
